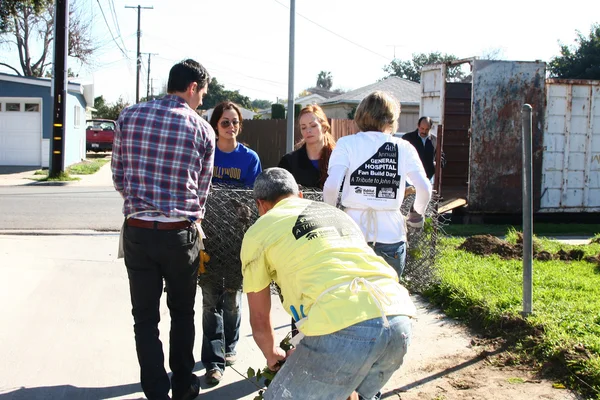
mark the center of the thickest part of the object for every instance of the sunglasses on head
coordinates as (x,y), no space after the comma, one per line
(226,123)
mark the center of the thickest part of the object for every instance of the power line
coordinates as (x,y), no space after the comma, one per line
(111,3)
(110,31)
(337,34)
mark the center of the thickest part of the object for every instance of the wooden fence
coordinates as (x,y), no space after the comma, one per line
(268,137)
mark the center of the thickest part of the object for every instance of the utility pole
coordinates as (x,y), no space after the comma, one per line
(148,80)
(139,54)
(151,87)
(59,80)
(291,108)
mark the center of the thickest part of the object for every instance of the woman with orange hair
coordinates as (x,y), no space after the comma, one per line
(309,163)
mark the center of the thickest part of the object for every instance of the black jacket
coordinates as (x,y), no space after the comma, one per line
(426,152)
(300,166)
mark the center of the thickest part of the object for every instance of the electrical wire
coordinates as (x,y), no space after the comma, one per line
(337,34)
(110,31)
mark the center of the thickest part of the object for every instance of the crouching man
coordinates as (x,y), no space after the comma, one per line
(353,314)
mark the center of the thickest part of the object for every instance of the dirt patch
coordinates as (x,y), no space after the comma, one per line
(446,361)
(485,245)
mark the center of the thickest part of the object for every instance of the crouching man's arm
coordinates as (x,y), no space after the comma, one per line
(260,320)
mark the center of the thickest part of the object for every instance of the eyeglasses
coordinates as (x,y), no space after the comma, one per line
(226,123)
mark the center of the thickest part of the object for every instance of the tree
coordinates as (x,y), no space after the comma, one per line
(217,93)
(260,104)
(411,70)
(324,80)
(8,9)
(29,25)
(581,61)
(108,111)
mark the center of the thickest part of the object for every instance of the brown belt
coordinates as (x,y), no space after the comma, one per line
(161,226)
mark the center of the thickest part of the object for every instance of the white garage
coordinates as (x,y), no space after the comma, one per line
(20,131)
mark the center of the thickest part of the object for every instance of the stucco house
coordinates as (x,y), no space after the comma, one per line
(26,106)
(407,92)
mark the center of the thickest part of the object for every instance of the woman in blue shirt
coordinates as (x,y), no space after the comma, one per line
(235,165)
(234,162)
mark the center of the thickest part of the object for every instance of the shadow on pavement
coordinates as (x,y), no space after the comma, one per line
(8,169)
(72,392)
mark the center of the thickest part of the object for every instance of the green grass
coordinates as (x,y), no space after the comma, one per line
(565,326)
(62,177)
(542,229)
(87,167)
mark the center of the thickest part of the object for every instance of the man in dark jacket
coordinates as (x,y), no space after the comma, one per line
(425,144)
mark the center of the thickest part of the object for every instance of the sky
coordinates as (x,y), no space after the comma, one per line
(245,44)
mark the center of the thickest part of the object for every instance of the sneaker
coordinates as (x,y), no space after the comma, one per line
(415,220)
(230,359)
(213,377)
(193,391)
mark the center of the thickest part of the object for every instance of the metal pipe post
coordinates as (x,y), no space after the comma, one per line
(527,212)
(290,109)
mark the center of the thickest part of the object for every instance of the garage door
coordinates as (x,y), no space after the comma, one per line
(20,131)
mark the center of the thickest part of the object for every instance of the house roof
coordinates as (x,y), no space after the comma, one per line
(322,92)
(407,92)
(86,89)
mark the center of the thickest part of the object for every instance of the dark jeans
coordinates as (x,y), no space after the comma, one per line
(150,256)
(221,317)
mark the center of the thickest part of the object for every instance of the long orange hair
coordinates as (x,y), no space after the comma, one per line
(328,142)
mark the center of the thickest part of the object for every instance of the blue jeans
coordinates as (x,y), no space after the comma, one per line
(221,317)
(361,357)
(393,253)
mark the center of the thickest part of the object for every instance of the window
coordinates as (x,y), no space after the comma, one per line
(32,107)
(13,106)
(77,116)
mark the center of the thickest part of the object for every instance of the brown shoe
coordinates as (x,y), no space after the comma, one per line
(213,377)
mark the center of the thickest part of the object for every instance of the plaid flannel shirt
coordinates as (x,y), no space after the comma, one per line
(162,160)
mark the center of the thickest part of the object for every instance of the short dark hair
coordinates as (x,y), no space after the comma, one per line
(426,119)
(186,72)
(218,112)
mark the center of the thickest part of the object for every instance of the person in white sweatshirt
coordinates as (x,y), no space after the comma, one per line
(374,166)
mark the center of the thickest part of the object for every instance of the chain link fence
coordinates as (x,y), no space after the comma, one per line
(231,210)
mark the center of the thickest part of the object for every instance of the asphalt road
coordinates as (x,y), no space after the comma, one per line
(53,207)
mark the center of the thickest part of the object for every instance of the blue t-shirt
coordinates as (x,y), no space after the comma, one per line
(241,166)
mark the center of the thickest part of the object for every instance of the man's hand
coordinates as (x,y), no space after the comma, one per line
(273,359)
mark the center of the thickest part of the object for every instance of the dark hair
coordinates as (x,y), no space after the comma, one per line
(329,142)
(185,73)
(426,119)
(218,113)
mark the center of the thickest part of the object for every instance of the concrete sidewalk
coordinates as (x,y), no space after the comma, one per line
(22,176)
(66,333)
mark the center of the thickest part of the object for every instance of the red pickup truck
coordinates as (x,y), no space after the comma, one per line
(99,135)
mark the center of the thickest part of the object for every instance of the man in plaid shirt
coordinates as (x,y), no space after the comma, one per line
(162,164)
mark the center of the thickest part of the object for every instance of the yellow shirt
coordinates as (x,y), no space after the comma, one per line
(313,251)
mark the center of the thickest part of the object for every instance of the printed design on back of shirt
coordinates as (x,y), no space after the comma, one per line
(319,220)
(378,176)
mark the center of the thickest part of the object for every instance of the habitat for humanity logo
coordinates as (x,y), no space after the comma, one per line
(358,190)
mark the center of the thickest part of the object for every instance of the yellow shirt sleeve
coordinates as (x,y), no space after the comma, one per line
(255,268)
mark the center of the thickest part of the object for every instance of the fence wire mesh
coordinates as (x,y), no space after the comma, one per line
(231,210)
